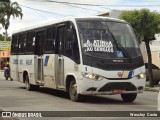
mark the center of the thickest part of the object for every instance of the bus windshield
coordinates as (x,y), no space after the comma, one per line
(108,39)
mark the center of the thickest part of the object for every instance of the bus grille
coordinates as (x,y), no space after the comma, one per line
(118,85)
(108,64)
(120,66)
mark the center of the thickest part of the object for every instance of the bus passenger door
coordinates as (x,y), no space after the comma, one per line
(40,38)
(59,60)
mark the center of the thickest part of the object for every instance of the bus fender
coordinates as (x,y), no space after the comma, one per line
(68,78)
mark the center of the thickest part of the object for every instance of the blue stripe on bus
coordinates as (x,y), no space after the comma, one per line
(50,61)
(46,60)
(130,74)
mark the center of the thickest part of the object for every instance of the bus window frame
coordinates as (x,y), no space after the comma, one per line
(15,50)
(50,39)
(22,43)
(43,31)
(28,42)
(66,25)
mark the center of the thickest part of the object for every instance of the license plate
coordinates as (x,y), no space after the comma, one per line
(118,91)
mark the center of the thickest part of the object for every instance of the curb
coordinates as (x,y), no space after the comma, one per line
(151,89)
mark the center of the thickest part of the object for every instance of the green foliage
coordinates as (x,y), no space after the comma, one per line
(146,23)
(2,37)
(8,9)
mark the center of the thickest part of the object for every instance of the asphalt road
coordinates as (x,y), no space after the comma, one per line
(14,97)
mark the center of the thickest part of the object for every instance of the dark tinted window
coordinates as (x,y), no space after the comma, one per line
(14,45)
(60,40)
(110,40)
(71,48)
(30,43)
(50,41)
(40,42)
(68,43)
(22,42)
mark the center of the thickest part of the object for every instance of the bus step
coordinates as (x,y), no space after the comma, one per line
(61,87)
(40,83)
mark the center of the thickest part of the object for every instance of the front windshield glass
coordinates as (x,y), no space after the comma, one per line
(106,39)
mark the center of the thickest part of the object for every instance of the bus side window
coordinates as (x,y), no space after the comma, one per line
(50,41)
(71,45)
(75,47)
(40,42)
(14,45)
(68,43)
(30,43)
(22,40)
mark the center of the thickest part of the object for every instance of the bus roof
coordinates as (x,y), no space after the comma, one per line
(63,20)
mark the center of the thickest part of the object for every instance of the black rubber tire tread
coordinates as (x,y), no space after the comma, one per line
(129,97)
(29,86)
(77,97)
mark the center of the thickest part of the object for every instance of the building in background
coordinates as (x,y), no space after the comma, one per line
(4,53)
(112,14)
(155,51)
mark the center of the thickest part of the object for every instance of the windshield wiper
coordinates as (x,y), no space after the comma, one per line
(119,46)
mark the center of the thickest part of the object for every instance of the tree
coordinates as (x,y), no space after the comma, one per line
(146,24)
(4,0)
(8,9)
(2,37)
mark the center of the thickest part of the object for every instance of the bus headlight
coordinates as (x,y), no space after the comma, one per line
(92,76)
(141,76)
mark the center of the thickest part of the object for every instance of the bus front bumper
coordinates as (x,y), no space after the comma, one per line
(108,87)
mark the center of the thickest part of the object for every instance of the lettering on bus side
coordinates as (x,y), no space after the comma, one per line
(21,62)
(29,62)
(15,61)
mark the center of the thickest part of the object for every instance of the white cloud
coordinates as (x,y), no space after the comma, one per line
(32,17)
(27,20)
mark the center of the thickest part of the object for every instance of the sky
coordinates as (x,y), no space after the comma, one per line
(41,11)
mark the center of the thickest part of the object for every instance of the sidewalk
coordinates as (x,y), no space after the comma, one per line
(156,88)
(1,74)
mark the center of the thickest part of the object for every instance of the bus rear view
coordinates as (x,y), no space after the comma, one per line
(112,60)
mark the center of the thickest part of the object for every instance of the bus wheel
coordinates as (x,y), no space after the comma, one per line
(129,97)
(28,86)
(36,87)
(74,96)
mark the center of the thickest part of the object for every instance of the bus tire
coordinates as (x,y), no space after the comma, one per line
(36,87)
(28,86)
(129,97)
(74,96)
